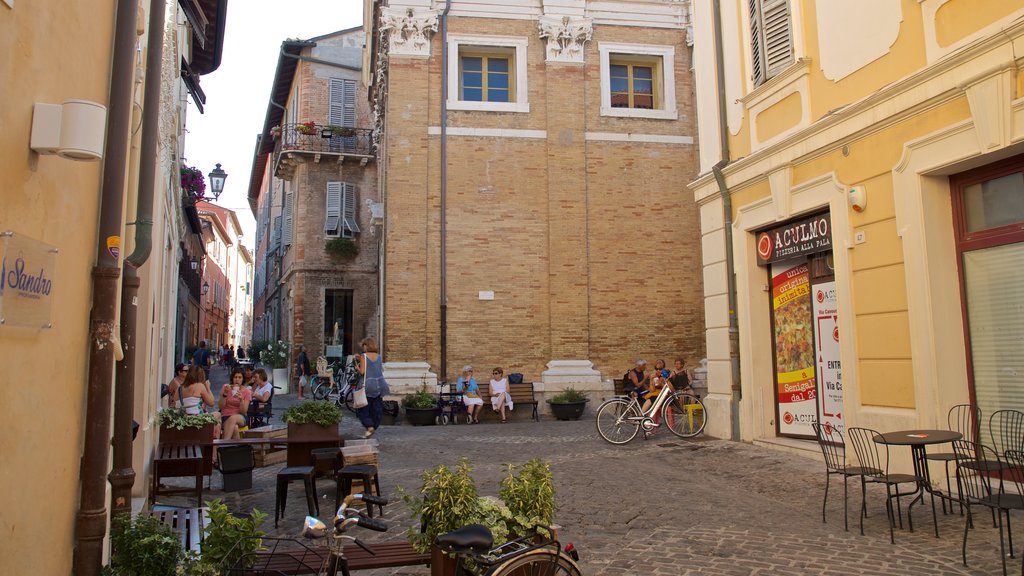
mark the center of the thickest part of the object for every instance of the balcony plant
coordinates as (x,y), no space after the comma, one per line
(568,404)
(420,407)
(307,128)
(275,131)
(193,182)
(342,247)
(342,131)
(311,424)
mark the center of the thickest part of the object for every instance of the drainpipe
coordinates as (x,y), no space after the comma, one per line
(723,189)
(91,519)
(122,476)
(444,190)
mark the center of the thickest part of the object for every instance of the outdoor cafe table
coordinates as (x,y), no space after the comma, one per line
(918,440)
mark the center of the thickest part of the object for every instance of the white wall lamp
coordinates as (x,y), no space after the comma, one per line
(75,129)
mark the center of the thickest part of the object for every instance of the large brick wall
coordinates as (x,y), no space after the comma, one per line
(591,248)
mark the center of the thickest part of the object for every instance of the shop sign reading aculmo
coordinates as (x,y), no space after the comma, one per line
(794,239)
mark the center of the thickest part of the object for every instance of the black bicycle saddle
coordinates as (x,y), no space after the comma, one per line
(474,538)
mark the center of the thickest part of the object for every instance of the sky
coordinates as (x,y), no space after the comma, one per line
(238,91)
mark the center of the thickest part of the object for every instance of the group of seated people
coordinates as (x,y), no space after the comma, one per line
(470,390)
(192,391)
(646,385)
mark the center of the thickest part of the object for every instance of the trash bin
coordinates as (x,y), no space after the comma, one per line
(236,464)
(390,413)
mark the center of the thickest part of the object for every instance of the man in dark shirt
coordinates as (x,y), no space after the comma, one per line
(201,357)
(303,369)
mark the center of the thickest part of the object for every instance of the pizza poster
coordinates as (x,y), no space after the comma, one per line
(826,350)
(794,347)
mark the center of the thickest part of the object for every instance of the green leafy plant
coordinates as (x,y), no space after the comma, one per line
(192,181)
(306,128)
(569,396)
(256,348)
(447,500)
(276,354)
(343,131)
(179,420)
(144,546)
(341,247)
(230,538)
(529,495)
(419,399)
(320,412)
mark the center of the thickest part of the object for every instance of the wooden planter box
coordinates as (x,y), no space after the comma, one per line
(304,438)
(202,437)
(266,455)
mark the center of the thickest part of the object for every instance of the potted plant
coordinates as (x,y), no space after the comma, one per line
(177,427)
(341,247)
(420,407)
(229,539)
(307,128)
(311,424)
(193,182)
(568,404)
(275,131)
(143,545)
(276,356)
(342,131)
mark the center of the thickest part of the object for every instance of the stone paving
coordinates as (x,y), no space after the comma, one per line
(664,506)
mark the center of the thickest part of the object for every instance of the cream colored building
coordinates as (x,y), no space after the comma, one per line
(897,128)
(56,427)
(533,163)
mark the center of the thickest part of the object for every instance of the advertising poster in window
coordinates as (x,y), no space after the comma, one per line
(826,349)
(794,347)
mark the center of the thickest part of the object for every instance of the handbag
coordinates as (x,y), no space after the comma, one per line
(359,398)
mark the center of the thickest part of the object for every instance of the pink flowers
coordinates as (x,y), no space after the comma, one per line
(193,181)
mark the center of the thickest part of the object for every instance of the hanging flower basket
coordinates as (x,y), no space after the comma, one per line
(193,182)
(307,128)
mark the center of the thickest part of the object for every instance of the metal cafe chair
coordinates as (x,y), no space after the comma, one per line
(966,420)
(833,448)
(1007,430)
(875,457)
(975,487)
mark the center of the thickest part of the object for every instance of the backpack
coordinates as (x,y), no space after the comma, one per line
(627,384)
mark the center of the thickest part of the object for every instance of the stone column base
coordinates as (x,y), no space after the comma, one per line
(577,374)
(408,377)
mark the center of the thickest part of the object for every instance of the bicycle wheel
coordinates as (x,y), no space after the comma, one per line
(615,421)
(348,400)
(321,389)
(540,562)
(684,415)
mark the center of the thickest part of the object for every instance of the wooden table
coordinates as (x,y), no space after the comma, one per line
(919,440)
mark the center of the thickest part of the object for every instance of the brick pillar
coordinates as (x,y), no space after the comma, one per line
(567,211)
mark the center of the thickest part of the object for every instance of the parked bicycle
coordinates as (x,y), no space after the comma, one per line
(337,384)
(345,518)
(476,554)
(621,418)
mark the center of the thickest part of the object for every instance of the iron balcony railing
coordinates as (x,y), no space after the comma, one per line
(321,138)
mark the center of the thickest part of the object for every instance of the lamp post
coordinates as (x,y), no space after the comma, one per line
(217,178)
(206,288)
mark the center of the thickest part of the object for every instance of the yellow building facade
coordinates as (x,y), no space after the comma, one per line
(861,172)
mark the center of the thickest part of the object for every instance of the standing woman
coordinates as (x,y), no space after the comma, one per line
(372,370)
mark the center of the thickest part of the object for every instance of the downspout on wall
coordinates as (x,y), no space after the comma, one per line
(444,189)
(91,518)
(122,476)
(723,189)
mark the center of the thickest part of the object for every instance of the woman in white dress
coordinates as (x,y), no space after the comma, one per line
(500,398)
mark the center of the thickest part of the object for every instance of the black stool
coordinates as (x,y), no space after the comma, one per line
(324,460)
(367,473)
(284,477)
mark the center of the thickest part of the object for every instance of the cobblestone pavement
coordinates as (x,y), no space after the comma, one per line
(663,506)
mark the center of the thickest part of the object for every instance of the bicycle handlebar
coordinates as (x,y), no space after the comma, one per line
(370,499)
(371,524)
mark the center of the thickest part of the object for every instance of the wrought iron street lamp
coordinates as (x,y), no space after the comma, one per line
(206,288)
(217,178)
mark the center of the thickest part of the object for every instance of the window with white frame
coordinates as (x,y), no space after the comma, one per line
(487,73)
(340,215)
(638,81)
(771,42)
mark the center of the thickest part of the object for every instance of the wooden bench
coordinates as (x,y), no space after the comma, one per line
(522,395)
(174,460)
(308,560)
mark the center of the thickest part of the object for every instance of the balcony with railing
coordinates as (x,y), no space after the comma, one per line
(295,144)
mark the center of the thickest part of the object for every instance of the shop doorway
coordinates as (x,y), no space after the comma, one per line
(805,330)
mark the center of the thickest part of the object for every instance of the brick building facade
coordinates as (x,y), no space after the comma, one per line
(313,184)
(559,161)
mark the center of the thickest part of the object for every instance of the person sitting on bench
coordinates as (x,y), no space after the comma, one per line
(500,398)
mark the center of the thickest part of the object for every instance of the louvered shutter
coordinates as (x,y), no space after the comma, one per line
(288,212)
(276,234)
(778,43)
(756,43)
(349,211)
(342,107)
(332,223)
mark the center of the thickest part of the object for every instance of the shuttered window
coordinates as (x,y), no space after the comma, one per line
(332,214)
(348,211)
(289,199)
(341,210)
(342,105)
(771,43)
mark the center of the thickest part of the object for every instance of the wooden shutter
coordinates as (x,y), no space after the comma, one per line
(342,106)
(332,223)
(289,199)
(349,211)
(778,42)
(756,43)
